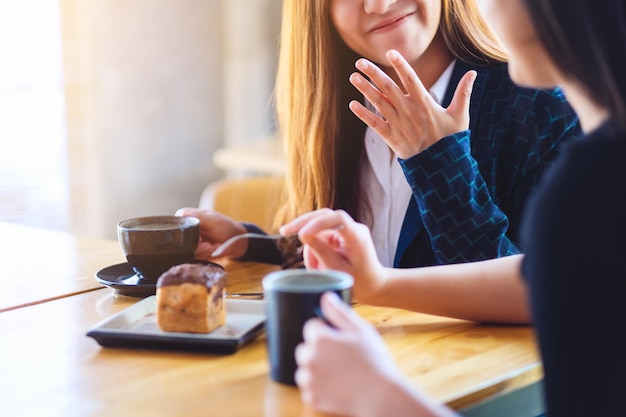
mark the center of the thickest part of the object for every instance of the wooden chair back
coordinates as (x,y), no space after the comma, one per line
(247,199)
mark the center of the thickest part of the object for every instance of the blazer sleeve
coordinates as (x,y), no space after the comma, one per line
(261,250)
(462,221)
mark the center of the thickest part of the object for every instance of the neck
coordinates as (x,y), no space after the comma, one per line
(590,115)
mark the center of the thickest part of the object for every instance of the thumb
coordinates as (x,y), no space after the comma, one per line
(310,261)
(185,211)
(323,254)
(459,106)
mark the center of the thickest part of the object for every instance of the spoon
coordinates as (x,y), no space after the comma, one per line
(220,249)
(246,294)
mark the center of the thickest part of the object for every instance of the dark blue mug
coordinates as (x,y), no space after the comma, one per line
(291,298)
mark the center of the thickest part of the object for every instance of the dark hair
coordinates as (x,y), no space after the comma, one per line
(587,41)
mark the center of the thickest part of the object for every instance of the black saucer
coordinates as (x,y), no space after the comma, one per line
(125,281)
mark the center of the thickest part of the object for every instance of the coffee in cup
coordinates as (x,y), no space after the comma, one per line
(291,298)
(154,244)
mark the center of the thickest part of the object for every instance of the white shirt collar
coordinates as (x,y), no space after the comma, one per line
(438,90)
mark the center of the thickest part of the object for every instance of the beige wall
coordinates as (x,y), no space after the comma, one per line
(251,30)
(153,88)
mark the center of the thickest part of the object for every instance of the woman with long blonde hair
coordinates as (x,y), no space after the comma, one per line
(441,174)
(319,130)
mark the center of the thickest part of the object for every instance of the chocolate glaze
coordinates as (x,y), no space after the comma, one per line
(207,275)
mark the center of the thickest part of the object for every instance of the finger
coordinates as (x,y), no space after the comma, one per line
(331,219)
(201,214)
(411,82)
(303,354)
(371,119)
(460,104)
(310,260)
(326,257)
(315,329)
(339,314)
(186,211)
(303,380)
(205,251)
(337,248)
(296,224)
(371,93)
(384,84)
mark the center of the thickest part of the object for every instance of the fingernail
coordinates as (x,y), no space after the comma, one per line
(474,76)
(333,297)
(362,64)
(355,79)
(393,55)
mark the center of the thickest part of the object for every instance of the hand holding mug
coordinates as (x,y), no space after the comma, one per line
(349,354)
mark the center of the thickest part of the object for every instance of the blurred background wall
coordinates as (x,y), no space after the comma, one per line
(148,91)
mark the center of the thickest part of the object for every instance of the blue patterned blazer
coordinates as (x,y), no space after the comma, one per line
(470,189)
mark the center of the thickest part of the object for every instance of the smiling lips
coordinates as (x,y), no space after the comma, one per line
(390,23)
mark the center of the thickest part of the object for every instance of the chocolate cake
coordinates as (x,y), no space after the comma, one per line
(190,298)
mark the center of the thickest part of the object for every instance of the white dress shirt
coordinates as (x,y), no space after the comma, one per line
(387,191)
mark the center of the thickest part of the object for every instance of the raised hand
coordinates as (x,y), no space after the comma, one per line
(410,119)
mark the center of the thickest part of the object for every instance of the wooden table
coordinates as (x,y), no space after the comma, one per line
(49,367)
(38,265)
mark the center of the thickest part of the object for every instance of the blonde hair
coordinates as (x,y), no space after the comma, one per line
(467,35)
(323,140)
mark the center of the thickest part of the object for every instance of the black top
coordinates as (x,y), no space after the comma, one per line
(575,266)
